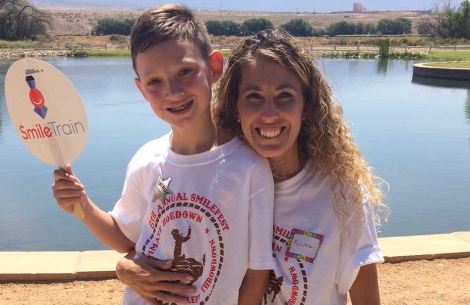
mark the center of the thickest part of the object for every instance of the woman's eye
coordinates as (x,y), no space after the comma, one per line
(185,71)
(285,95)
(253,96)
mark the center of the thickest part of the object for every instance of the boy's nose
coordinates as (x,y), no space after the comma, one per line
(175,90)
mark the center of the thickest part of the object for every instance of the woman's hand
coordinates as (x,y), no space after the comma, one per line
(151,279)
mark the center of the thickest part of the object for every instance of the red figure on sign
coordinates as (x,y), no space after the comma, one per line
(36,97)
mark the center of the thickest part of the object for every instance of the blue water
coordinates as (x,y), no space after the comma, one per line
(415,136)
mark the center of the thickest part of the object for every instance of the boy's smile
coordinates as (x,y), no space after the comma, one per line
(176,80)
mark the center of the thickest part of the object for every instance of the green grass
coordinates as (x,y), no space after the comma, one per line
(449,55)
(460,64)
(367,54)
(104,53)
(22,44)
(225,52)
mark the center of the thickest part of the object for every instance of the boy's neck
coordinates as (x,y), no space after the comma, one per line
(198,139)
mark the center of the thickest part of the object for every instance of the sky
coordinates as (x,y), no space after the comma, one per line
(320,6)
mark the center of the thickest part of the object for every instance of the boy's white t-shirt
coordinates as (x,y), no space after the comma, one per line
(211,213)
(317,261)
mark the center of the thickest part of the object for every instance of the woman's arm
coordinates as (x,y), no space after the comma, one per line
(365,290)
(151,279)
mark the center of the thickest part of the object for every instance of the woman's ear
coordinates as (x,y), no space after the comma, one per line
(217,65)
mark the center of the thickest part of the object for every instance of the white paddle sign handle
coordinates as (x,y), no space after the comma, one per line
(78,211)
(77,208)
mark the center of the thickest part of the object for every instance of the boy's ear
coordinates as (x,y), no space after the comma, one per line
(217,65)
(138,83)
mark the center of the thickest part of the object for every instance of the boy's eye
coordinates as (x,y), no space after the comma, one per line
(153,81)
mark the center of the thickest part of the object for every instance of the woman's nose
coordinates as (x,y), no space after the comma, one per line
(269,110)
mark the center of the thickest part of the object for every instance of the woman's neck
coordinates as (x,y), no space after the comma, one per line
(286,167)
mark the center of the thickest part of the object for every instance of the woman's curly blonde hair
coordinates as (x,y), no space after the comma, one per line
(324,136)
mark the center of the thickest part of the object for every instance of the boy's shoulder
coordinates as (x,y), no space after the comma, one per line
(151,150)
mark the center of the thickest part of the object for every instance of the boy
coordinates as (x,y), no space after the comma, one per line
(196,196)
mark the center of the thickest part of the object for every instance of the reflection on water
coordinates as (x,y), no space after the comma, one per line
(1,119)
(446,83)
(407,65)
(382,65)
(467,105)
(442,83)
(2,91)
(4,65)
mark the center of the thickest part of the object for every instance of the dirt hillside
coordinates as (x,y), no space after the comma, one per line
(80,21)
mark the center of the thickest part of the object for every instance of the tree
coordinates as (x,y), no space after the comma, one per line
(223,28)
(403,25)
(461,21)
(423,28)
(370,28)
(20,20)
(214,27)
(231,28)
(252,26)
(360,28)
(298,27)
(110,26)
(342,28)
(318,32)
(448,21)
(394,27)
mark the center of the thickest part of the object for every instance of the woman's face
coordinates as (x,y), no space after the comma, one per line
(270,104)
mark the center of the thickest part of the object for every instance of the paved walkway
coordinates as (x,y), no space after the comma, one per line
(69,266)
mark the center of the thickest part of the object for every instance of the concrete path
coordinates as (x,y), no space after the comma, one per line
(69,266)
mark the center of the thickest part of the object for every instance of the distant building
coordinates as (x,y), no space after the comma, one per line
(359,8)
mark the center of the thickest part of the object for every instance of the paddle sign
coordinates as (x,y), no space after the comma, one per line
(47,113)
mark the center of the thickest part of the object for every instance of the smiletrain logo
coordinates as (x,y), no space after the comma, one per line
(40,130)
(36,97)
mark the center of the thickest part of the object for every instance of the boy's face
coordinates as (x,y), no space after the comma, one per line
(176,80)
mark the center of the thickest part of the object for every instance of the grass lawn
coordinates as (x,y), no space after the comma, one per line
(434,55)
(84,53)
(111,53)
(463,55)
(225,52)
(459,64)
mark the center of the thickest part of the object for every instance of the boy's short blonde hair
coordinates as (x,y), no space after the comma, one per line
(164,23)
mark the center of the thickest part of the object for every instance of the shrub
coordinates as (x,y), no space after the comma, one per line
(298,27)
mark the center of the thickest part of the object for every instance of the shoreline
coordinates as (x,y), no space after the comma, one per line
(345,52)
(88,265)
(15,54)
(350,53)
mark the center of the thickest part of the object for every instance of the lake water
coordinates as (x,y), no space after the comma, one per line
(416,136)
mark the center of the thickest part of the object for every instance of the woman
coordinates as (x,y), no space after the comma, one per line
(274,98)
